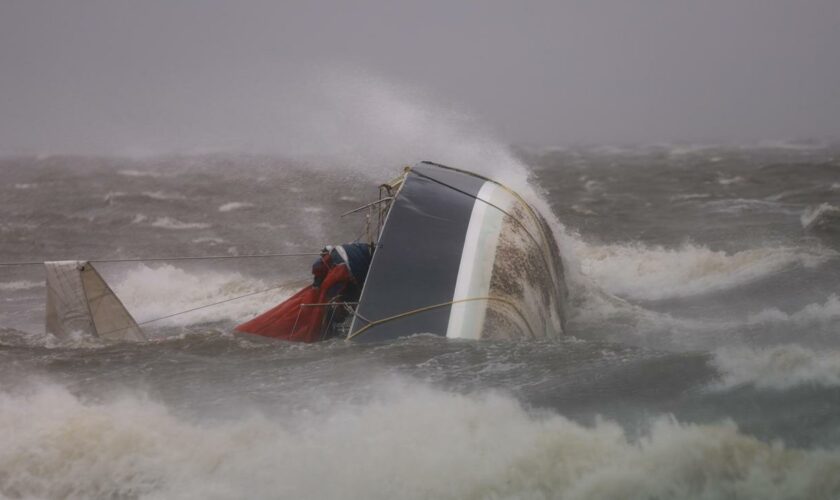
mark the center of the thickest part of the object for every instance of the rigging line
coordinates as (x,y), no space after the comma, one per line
(153,259)
(515,219)
(205,306)
(510,303)
(506,188)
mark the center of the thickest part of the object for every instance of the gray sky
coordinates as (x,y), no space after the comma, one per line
(166,75)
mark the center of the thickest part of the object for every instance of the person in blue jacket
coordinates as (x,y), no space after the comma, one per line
(356,257)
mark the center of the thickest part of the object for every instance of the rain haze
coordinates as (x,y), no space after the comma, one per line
(158,76)
(616,277)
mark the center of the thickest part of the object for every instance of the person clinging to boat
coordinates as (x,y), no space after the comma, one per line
(318,311)
(342,270)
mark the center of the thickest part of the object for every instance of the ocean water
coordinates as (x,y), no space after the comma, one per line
(702,358)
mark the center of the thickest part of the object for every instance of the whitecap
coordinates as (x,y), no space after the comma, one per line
(235,205)
(813,217)
(655,272)
(811,314)
(160,195)
(112,195)
(461,446)
(725,181)
(171,223)
(778,367)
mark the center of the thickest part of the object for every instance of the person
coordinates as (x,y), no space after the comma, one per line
(340,272)
(338,276)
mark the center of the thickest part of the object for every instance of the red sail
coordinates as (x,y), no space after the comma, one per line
(294,320)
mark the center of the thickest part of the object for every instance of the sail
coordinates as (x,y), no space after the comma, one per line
(79,300)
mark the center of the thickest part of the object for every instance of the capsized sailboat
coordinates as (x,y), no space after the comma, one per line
(453,254)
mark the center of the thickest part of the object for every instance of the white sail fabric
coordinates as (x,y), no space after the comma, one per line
(79,300)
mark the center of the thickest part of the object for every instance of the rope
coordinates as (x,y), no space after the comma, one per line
(153,259)
(512,192)
(205,306)
(377,322)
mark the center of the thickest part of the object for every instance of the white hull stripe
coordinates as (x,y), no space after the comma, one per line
(466,319)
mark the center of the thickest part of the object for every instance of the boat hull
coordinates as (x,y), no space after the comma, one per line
(461,256)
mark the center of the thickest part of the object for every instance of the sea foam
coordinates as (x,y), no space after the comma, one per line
(409,441)
(172,223)
(820,215)
(812,314)
(235,205)
(638,271)
(778,367)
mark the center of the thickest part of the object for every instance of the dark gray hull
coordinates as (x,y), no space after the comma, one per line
(463,257)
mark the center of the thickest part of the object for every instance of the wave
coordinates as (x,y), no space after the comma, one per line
(737,206)
(172,223)
(409,441)
(113,195)
(809,315)
(645,272)
(820,216)
(154,292)
(235,205)
(602,316)
(725,181)
(152,195)
(778,367)
(689,196)
(160,195)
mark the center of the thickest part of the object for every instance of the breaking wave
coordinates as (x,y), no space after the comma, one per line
(407,441)
(778,367)
(655,272)
(161,195)
(171,223)
(820,216)
(154,292)
(825,313)
(235,205)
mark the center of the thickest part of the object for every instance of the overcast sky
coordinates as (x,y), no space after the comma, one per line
(158,75)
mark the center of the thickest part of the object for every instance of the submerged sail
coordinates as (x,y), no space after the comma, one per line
(79,300)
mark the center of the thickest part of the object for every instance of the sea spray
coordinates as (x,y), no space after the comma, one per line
(151,292)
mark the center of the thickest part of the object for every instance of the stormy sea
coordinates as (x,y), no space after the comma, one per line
(701,358)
